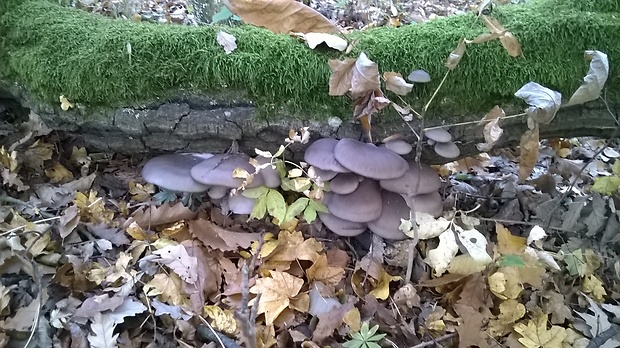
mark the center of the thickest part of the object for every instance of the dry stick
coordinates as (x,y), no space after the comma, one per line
(515,222)
(436,341)
(246,316)
(473,122)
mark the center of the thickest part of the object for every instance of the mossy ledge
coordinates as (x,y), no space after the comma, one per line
(53,50)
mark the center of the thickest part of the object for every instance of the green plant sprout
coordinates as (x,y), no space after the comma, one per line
(365,338)
(271,201)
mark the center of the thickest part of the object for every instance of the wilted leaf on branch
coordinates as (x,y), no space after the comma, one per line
(333,41)
(369,104)
(544,102)
(358,76)
(529,152)
(281,16)
(594,81)
(394,82)
(455,56)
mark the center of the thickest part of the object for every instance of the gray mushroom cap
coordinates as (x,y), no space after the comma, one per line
(344,183)
(321,155)
(325,175)
(362,205)
(406,184)
(447,150)
(173,172)
(369,160)
(398,146)
(240,204)
(218,192)
(419,76)
(342,227)
(394,209)
(429,203)
(218,170)
(440,135)
(270,175)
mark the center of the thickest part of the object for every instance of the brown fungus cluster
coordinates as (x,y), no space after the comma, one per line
(369,186)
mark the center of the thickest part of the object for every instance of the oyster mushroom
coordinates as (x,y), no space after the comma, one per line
(173,172)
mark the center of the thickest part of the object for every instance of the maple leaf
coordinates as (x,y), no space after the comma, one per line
(321,271)
(276,293)
(168,287)
(290,246)
(103,335)
(470,330)
(536,334)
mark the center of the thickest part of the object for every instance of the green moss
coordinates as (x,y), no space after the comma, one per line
(56,51)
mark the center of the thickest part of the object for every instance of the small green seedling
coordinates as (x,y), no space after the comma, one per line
(365,338)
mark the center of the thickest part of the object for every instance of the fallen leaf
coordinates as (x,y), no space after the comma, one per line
(528,157)
(227,41)
(282,16)
(507,243)
(177,258)
(470,328)
(219,238)
(325,273)
(102,327)
(276,293)
(58,173)
(394,82)
(536,334)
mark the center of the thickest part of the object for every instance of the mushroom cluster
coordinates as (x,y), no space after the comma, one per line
(442,142)
(213,174)
(372,186)
(369,186)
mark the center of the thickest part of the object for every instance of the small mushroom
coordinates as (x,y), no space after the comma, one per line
(218,170)
(419,76)
(398,146)
(321,155)
(217,192)
(406,184)
(344,183)
(439,135)
(394,209)
(362,205)
(325,175)
(447,149)
(270,175)
(369,160)
(173,172)
(341,227)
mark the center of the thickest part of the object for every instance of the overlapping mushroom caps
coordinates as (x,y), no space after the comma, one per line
(443,144)
(371,186)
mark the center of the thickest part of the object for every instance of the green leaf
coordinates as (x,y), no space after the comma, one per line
(280,151)
(372,345)
(616,168)
(260,208)
(353,344)
(276,206)
(318,206)
(222,15)
(309,214)
(372,331)
(606,185)
(256,193)
(296,208)
(511,260)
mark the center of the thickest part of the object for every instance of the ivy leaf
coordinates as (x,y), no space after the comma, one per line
(276,206)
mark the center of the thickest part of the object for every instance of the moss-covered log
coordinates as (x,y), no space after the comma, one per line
(49,50)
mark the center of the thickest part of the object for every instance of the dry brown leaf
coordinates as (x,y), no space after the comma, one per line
(167,213)
(369,104)
(394,82)
(455,56)
(216,237)
(290,246)
(529,153)
(470,329)
(328,322)
(323,272)
(281,16)
(474,293)
(493,25)
(511,44)
(358,76)
(276,293)
(58,173)
(37,153)
(492,132)
(168,287)
(342,72)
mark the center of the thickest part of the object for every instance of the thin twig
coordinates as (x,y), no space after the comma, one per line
(430,343)
(472,122)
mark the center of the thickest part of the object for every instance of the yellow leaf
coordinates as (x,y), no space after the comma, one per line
(505,283)
(382,290)
(168,287)
(58,173)
(353,319)
(92,208)
(507,243)
(593,286)
(65,104)
(276,293)
(291,246)
(223,319)
(536,334)
(321,271)
(510,311)
(141,192)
